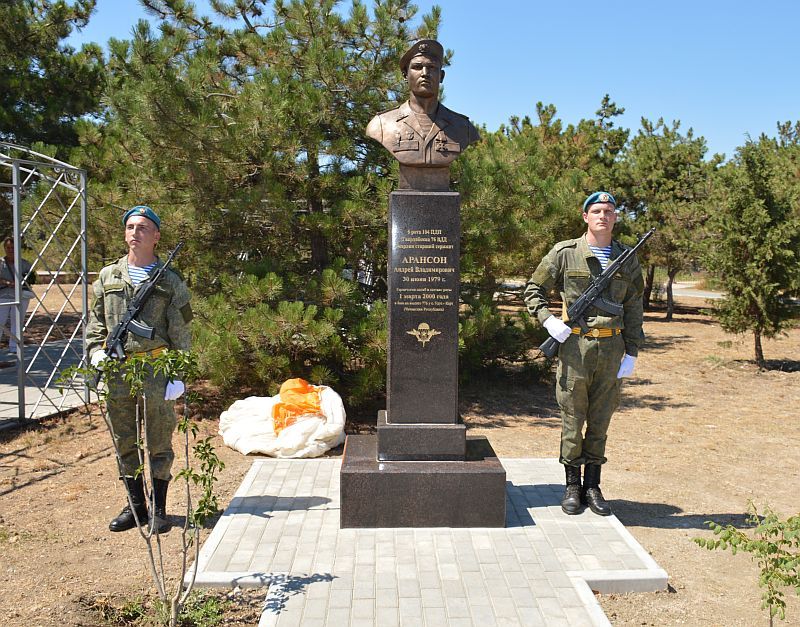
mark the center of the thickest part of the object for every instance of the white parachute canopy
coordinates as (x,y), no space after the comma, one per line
(248,426)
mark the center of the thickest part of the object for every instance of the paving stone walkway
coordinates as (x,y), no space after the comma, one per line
(44,395)
(281,530)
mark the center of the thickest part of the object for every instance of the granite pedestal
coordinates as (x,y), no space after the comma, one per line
(421,442)
(469,493)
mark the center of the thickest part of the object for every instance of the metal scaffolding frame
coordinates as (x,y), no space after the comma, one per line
(49,212)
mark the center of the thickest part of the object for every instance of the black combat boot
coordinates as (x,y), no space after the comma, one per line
(571,503)
(159,522)
(592,496)
(126,519)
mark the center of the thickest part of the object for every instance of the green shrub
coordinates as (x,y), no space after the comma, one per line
(258,332)
(202,610)
(489,339)
(774,544)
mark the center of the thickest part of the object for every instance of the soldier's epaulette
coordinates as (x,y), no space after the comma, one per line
(450,113)
(176,272)
(111,270)
(567,243)
(389,110)
(624,247)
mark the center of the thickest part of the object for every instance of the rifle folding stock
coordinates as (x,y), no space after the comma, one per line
(549,347)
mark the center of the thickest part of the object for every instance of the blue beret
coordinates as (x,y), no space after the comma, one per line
(599,197)
(142,210)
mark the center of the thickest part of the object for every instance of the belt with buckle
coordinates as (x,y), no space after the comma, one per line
(597,332)
(153,353)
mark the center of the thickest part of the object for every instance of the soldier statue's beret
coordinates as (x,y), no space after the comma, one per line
(142,210)
(428,47)
(599,197)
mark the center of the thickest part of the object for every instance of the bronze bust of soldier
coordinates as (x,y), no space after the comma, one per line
(423,134)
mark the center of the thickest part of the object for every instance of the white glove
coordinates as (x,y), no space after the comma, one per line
(98,357)
(626,367)
(174,390)
(557,329)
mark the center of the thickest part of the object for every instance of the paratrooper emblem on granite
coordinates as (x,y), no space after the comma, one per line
(445,479)
(424,333)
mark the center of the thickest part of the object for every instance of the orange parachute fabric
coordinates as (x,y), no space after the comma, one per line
(298,397)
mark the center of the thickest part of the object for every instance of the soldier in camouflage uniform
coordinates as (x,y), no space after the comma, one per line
(168,311)
(590,365)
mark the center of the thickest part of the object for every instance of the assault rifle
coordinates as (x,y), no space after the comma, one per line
(593,297)
(116,341)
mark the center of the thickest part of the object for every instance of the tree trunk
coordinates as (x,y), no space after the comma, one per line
(488,286)
(759,351)
(671,274)
(648,285)
(317,239)
(319,249)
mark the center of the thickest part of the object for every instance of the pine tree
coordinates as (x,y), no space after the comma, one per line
(246,132)
(251,136)
(523,186)
(668,183)
(46,85)
(756,241)
(522,189)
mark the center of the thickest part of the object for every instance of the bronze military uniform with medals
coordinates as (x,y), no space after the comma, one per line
(423,134)
(402,134)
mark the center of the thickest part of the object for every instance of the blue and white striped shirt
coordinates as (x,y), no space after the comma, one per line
(138,274)
(602,253)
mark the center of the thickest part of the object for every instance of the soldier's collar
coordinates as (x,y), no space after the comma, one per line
(404,111)
(587,252)
(616,248)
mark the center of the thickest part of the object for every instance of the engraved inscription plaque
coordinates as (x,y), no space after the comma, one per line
(423,271)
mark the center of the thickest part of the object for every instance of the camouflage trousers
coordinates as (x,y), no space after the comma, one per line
(160,420)
(587,391)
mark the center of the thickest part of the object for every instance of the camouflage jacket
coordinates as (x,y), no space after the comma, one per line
(167,310)
(569,266)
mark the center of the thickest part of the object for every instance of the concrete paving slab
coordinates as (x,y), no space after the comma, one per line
(281,530)
(44,396)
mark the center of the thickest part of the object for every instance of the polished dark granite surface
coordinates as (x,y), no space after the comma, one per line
(423,279)
(421,442)
(468,493)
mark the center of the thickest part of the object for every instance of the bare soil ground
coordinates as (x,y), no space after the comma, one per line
(699,434)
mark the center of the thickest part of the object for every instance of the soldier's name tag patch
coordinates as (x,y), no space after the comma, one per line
(406,145)
(113,287)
